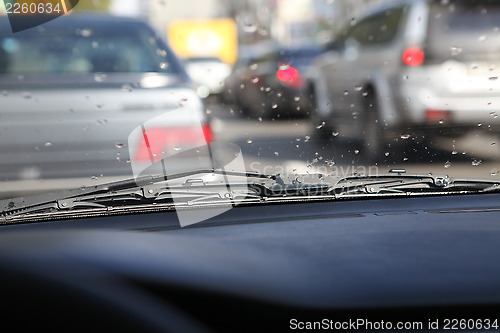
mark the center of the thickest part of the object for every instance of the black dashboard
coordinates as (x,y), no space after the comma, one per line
(275,267)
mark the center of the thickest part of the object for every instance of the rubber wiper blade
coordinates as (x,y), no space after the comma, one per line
(129,190)
(192,189)
(411,184)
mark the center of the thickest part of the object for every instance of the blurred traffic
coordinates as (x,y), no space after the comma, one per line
(299,86)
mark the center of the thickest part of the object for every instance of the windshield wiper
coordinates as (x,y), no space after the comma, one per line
(193,189)
(131,191)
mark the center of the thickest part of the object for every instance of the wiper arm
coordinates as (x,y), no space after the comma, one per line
(411,184)
(255,188)
(146,188)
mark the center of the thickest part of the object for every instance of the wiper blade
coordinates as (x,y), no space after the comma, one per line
(255,188)
(411,184)
(145,189)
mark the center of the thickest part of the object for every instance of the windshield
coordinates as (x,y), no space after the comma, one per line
(339,88)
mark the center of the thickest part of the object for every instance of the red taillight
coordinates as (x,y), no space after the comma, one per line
(413,57)
(437,116)
(290,75)
(156,143)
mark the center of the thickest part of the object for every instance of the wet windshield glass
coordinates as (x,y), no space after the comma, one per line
(293,87)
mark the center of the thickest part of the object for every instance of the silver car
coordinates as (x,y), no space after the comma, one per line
(73,91)
(409,71)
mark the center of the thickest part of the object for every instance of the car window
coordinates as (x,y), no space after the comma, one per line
(377,29)
(467,31)
(123,48)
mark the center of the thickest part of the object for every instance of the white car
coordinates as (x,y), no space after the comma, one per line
(413,69)
(209,74)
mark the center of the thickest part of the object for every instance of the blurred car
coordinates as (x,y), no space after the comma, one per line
(209,74)
(74,89)
(411,69)
(274,84)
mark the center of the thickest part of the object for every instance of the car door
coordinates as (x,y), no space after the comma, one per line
(366,55)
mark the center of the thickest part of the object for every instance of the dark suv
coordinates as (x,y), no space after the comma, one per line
(273,84)
(411,69)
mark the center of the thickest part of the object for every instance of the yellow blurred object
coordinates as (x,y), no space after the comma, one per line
(205,38)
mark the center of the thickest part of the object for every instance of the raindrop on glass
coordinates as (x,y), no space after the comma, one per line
(85,32)
(320,126)
(126,88)
(161,52)
(454,51)
(250,27)
(99,77)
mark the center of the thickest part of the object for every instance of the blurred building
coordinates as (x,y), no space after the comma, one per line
(289,22)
